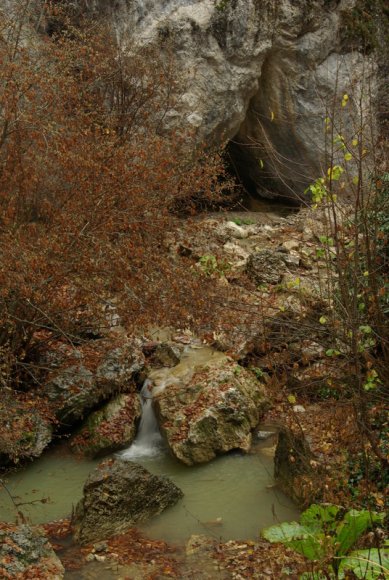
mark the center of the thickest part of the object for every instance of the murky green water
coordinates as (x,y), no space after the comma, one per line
(227,498)
(232,497)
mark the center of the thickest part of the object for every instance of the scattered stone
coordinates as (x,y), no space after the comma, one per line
(298,409)
(266,267)
(292,260)
(117,495)
(236,251)
(233,230)
(291,245)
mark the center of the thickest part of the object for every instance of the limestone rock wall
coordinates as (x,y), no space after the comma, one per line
(260,73)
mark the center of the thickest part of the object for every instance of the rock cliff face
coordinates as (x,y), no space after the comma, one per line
(260,73)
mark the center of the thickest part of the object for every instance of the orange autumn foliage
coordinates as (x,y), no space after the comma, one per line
(89,176)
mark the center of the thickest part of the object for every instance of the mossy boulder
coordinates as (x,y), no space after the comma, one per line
(212,413)
(109,429)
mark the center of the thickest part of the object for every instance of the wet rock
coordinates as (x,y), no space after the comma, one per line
(26,437)
(81,378)
(292,464)
(26,553)
(167,354)
(109,429)
(213,412)
(266,267)
(117,495)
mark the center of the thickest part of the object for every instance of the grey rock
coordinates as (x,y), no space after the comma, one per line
(167,355)
(30,435)
(212,412)
(292,461)
(261,73)
(79,379)
(266,267)
(117,495)
(26,553)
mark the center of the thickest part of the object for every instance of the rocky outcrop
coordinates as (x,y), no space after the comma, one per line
(213,412)
(117,495)
(259,73)
(109,429)
(26,553)
(80,378)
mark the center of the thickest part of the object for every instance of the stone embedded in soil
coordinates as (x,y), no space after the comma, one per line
(266,267)
(117,495)
(109,429)
(26,553)
(213,412)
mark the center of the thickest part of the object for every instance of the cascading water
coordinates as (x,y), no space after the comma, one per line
(234,492)
(148,442)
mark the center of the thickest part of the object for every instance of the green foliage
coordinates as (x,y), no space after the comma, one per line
(222,5)
(367,564)
(210,265)
(324,531)
(317,190)
(359,26)
(259,373)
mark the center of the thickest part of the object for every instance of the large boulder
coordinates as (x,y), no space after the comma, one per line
(80,378)
(213,412)
(26,553)
(110,428)
(117,495)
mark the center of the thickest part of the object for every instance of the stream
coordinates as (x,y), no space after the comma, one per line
(231,497)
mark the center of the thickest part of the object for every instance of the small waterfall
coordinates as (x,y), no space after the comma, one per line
(148,442)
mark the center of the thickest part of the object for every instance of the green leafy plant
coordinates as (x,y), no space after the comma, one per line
(210,264)
(326,532)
